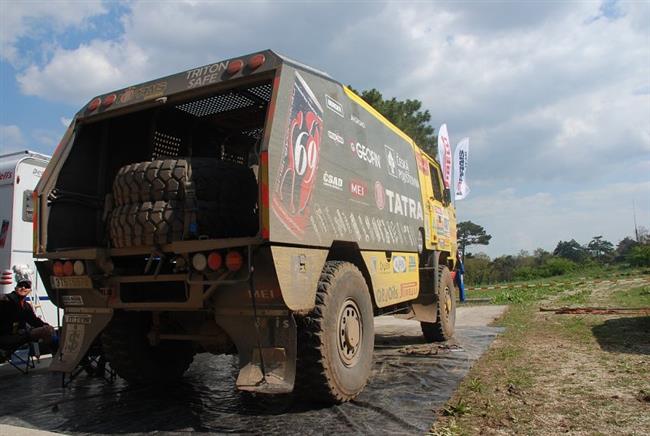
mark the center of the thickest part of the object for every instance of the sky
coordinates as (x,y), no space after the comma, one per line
(554,95)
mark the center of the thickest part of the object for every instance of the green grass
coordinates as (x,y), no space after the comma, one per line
(636,297)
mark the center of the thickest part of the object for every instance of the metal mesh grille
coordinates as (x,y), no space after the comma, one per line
(262,91)
(225,102)
(254,133)
(165,145)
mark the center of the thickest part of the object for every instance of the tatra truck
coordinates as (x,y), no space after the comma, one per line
(253,206)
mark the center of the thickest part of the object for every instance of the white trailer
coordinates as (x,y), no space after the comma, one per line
(19,174)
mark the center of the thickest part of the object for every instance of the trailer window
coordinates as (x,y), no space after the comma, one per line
(28,206)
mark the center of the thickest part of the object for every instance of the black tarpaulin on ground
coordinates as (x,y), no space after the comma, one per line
(410,381)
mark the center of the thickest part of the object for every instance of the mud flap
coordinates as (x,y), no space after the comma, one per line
(267,366)
(80,328)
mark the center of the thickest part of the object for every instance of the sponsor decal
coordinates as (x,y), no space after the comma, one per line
(38,172)
(334,106)
(335,137)
(206,75)
(357,121)
(399,264)
(78,319)
(412,263)
(145,92)
(405,206)
(298,164)
(389,293)
(384,267)
(332,181)
(263,294)
(398,167)
(72,300)
(299,263)
(366,153)
(358,188)
(373,264)
(423,164)
(73,339)
(380,197)
(409,289)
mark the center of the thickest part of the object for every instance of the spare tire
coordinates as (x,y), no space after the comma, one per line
(154,199)
(168,179)
(147,223)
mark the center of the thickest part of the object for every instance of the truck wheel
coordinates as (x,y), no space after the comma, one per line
(443,328)
(134,359)
(336,339)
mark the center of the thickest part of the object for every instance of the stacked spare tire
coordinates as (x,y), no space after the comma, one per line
(169,200)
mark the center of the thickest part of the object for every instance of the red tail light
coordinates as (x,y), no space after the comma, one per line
(109,100)
(57,268)
(93,105)
(235,66)
(256,61)
(68,268)
(234,260)
(214,261)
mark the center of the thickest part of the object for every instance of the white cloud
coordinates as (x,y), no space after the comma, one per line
(555,96)
(11,138)
(527,222)
(36,19)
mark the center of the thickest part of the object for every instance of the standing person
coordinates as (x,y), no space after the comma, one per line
(18,322)
(460,270)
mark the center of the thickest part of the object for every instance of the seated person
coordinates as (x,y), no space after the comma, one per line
(18,322)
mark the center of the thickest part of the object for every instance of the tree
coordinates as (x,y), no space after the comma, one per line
(571,250)
(624,247)
(407,115)
(469,233)
(600,249)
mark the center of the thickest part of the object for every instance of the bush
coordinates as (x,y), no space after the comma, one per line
(557,266)
(639,256)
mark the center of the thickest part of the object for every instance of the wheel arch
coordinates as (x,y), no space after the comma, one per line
(350,252)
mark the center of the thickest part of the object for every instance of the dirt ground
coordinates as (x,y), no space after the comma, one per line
(550,374)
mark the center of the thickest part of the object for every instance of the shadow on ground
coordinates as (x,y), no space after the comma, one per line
(629,335)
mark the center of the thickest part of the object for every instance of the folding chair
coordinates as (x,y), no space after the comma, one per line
(21,358)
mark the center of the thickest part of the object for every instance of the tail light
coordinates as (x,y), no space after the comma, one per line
(214,261)
(109,100)
(256,61)
(94,104)
(235,66)
(57,268)
(68,268)
(79,268)
(199,261)
(234,261)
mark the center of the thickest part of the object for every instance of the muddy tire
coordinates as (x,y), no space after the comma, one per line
(443,328)
(130,354)
(336,339)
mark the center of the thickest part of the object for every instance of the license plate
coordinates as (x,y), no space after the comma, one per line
(78,282)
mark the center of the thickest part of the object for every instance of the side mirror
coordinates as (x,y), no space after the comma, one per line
(447,195)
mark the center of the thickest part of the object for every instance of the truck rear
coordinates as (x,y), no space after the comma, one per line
(251,206)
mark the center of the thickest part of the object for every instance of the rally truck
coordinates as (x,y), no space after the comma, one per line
(252,206)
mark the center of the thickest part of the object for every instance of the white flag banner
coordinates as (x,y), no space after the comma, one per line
(444,155)
(461,161)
